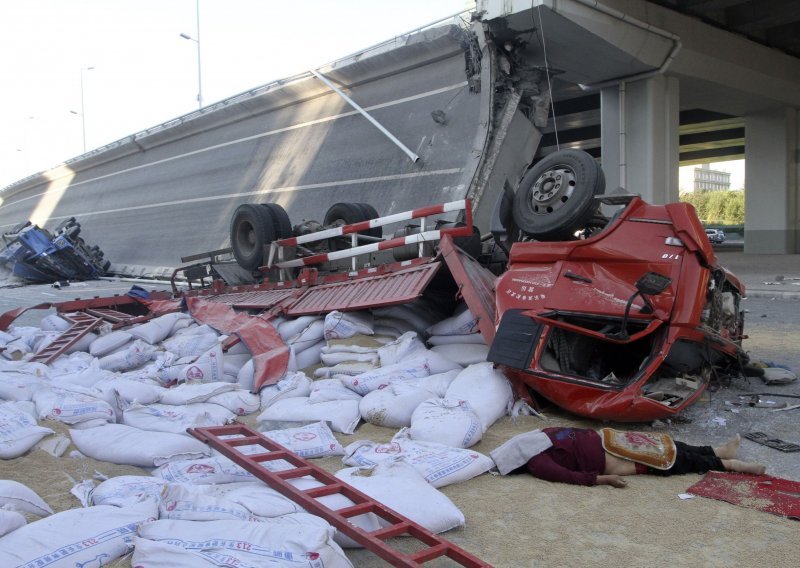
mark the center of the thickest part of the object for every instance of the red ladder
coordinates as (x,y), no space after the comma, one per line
(82,324)
(237,435)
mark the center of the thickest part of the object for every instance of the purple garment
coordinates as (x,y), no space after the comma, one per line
(577,457)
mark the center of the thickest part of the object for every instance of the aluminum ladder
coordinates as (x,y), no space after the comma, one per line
(238,435)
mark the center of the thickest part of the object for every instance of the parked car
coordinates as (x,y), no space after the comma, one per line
(716,236)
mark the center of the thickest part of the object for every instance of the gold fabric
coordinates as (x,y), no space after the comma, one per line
(648,448)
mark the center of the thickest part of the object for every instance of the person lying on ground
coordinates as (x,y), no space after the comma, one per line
(586,457)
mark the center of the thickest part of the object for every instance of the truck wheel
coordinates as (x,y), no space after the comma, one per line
(556,197)
(370,212)
(280,220)
(252,227)
(346,214)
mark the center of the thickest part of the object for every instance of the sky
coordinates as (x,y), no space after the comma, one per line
(144,73)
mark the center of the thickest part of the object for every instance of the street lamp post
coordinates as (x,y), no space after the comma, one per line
(83,109)
(197,41)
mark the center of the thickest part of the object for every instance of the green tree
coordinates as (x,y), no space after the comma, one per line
(717,207)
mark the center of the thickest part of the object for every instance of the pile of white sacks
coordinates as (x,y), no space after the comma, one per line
(129,395)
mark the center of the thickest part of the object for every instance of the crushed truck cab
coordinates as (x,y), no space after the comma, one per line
(628,324)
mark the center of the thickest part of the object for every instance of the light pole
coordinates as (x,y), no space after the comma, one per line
(83,109)
(197,41)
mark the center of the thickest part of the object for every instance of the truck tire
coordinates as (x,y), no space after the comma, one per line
(280,220)
(252,228)
(346,214)
(556,197)
(370,212)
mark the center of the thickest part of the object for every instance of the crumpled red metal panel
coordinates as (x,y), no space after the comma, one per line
(270,353)
(260,299)
(386,289)
(476,284)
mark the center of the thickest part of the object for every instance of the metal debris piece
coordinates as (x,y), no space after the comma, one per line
(765,440)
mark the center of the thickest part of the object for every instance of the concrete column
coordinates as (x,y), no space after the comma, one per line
(772,205)
(647,160)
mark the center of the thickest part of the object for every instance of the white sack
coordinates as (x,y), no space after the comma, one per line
(215,469)
(351,368)
(86,377)
(255,496)
(157,554)
(137,354)
(292,327)
(176,419)
(239,401)
(368,521)
(19,431)
(190,345)
(440,465)
(393,405)
(437,383)
(343,325)
(293,384)
(459,324)
(474,338)
(308,337)
(208,367)
(342,415)
(129,390)
(194,392)
(309,356)
(109,342)
(331,359)
(39,370)
(54,322)
(157,329)
(326,390)
(416,314)
(10,521)
(401,349)
(76,537)
(399,486)
(179,502)
(446,421)
(371,380)
(487,390)
(20,497)
(244,543)
(125,490)
(310,441)
(348,348)
(72,406)
(246,375)
(232,363)
(463,353)
(18,386)
(121,444)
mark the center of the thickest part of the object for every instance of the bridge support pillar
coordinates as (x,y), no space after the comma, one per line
(640,150)
(772,196)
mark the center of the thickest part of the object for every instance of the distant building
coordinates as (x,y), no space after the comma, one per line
(706,179)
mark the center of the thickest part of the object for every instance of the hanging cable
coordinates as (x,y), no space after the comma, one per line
(547,72)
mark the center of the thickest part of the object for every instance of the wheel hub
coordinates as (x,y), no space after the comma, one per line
(552,190)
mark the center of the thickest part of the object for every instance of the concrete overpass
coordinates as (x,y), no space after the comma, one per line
(707,80)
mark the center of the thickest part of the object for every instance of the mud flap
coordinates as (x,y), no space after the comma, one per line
(515,340)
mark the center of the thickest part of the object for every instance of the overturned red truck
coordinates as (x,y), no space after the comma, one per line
(624,316)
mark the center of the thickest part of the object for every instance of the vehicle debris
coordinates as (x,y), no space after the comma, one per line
(38,255)
(766,440)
